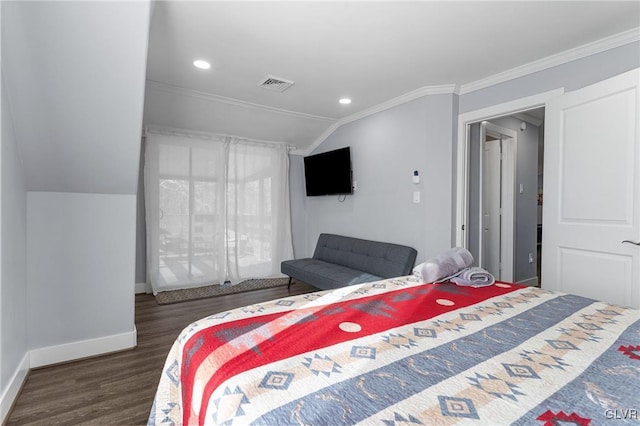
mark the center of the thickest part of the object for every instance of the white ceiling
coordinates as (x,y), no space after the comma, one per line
(371,52)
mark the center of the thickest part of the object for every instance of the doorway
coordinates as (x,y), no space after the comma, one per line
(463,164)
(504,184)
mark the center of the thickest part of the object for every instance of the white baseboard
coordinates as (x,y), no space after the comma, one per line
(531,282)
(13,388)
(82,349)
(61,353)
(143,288)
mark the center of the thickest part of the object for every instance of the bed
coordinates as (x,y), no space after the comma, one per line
(400,352)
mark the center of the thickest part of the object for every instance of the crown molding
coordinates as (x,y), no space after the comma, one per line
(443,89)
(579,52)
(218,137)
(319,139)
(611,42)
(209,97)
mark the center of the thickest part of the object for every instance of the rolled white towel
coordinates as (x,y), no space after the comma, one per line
(443,266)
(474,277)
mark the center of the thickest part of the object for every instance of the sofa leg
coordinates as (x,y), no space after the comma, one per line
(289,285)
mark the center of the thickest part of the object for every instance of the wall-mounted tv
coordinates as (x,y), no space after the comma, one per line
(328,173)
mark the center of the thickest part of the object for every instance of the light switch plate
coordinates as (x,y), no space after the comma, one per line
(416,197)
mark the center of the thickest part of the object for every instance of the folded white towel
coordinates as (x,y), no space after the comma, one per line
(474,277)
(443,266)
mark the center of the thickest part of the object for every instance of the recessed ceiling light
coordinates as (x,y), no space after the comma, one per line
(345,101)
(203,65)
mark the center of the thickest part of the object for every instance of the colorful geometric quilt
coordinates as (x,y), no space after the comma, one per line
(399,352)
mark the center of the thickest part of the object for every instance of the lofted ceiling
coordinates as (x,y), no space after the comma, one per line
(371,52)
(73,74)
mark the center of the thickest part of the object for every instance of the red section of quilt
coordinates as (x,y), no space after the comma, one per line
(258,340)
(632,352)
(552,419)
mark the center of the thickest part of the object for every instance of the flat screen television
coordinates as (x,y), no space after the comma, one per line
(328,173)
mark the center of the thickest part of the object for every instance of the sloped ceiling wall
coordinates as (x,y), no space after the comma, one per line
(173,107)
(75,75)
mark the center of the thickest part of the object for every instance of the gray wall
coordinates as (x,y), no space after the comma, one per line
(68,257)
(298,205)
(454,164)
(540,167)
(13,264)
(526,203)
(572,75)
(80,266)
(75,79)
(386,148)
(141,224)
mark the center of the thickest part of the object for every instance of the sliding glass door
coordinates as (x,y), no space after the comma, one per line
(190,221)
(216,211)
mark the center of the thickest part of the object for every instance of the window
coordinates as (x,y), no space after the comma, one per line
(213,211)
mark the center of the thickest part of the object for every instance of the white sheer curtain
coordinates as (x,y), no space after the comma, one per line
(217,210)
(258,216)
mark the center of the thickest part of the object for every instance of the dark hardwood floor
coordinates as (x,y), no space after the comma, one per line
(119,388)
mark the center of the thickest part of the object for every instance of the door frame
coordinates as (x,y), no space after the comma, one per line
(463,146)
(508,191)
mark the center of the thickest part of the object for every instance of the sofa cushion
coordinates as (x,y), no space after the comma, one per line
(385,260)
(325,275)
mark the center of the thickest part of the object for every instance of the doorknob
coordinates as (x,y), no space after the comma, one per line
(631,242)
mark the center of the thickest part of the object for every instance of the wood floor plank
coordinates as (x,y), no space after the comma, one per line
(118,389)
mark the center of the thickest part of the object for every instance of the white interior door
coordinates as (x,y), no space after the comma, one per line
(490,224)
(592,192)
(497,201)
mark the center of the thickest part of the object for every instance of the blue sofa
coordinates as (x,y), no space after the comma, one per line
(340,261)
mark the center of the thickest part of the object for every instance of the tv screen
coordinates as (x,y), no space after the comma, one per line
(328,173)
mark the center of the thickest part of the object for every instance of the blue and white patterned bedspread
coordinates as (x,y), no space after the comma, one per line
(525,357)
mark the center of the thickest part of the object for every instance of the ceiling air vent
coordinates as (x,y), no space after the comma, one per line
(276,84)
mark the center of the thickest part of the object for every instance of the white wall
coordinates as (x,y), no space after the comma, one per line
(13,266)
(75,79)
(73,76)
(80,268)
(385,150)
